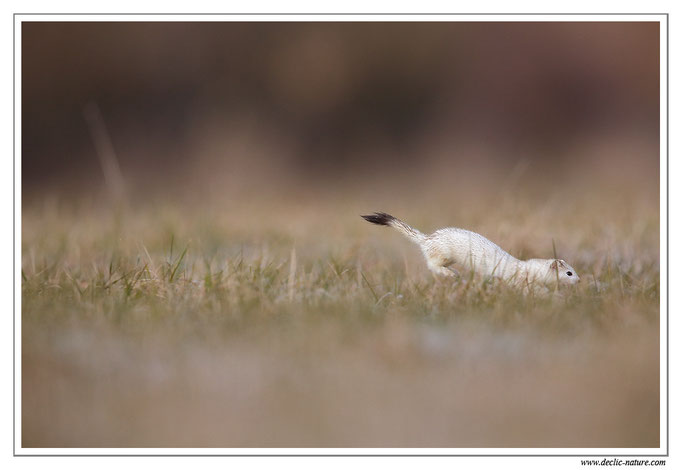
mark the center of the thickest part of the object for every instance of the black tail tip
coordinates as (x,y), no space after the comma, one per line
(379,218)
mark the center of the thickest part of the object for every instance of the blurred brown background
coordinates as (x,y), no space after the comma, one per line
(191,106)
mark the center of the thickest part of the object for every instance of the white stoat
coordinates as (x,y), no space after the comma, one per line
(455,246)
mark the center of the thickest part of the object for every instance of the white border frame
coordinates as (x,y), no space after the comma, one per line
(594,453)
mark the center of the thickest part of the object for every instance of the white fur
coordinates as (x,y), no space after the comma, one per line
(450,248)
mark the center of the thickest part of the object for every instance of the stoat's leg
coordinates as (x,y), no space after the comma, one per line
(451,267)
(441,270)
(453,271)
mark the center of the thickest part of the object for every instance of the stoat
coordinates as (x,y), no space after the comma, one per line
(448,248)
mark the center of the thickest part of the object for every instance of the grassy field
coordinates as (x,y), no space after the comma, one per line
(279,321)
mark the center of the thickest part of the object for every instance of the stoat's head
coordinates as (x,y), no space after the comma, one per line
(561,269)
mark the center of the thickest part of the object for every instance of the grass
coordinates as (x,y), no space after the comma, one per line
(292,322)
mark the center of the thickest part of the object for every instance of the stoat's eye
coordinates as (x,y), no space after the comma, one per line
(569,273)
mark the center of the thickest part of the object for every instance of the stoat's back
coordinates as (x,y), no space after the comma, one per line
(471,250)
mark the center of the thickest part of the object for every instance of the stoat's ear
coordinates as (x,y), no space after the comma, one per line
(554,265)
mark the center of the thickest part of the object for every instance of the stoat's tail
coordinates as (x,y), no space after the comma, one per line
(381,218)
